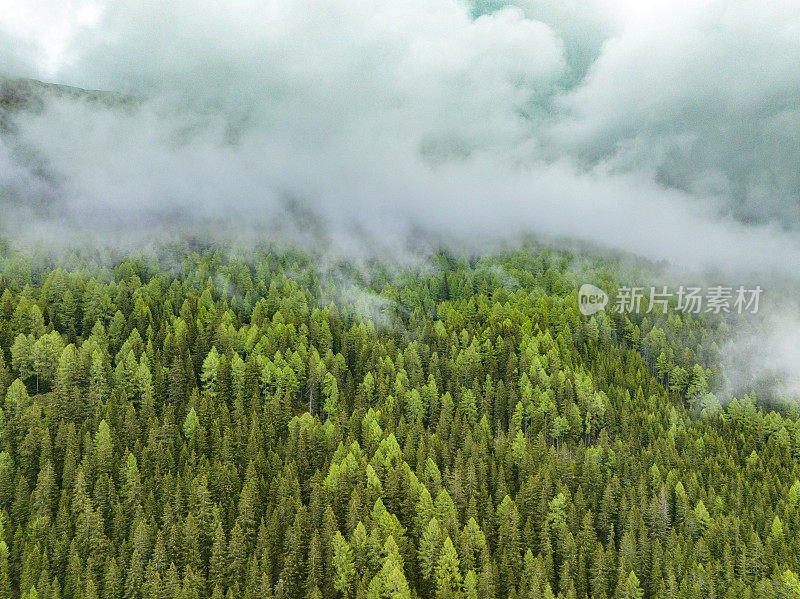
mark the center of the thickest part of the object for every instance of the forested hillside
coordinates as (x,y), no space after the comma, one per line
(227,428)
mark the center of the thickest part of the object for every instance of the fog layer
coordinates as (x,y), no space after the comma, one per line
(667,129)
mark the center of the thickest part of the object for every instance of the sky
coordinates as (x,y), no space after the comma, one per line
(669,130)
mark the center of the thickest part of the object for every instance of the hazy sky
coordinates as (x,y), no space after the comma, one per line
(670,129)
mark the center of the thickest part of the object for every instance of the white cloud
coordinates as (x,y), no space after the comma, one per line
(358,106)
(668,129)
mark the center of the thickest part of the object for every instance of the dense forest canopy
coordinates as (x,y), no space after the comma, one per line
(250,428)
(305,299)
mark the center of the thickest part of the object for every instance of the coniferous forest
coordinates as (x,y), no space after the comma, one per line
(229,428)
(399,299)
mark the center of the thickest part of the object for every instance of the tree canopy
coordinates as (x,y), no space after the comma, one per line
(234,428)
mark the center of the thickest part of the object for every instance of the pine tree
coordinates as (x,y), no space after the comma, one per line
(390,582)
(5,573)
(343,564)
(218,562)
(104,448)
(448,575)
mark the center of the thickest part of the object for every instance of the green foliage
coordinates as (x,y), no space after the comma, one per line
(221,429)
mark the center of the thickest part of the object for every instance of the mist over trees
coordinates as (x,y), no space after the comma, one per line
(221,429)
(400,398)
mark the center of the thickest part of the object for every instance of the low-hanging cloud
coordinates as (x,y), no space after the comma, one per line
(668,130)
